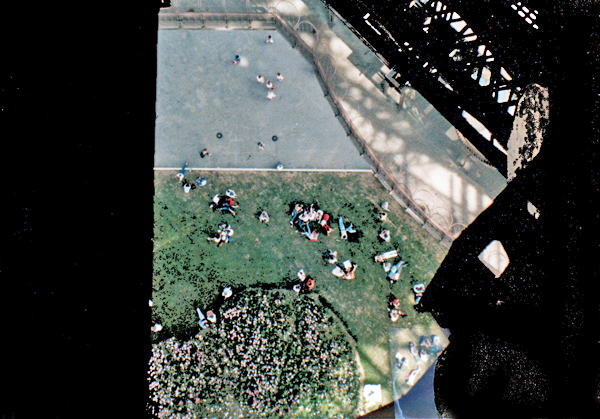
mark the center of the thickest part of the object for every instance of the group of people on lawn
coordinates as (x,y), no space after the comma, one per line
(303,215)
(310,220)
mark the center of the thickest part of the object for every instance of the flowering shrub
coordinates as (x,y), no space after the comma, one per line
(269,354)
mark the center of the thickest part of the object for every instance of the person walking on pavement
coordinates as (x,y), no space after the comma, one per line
(260,79)
(236,60)
(269,39)
(280,77)
(270,85)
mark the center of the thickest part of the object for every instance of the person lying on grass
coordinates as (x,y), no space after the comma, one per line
(298,209)
(395,271)
(313,237)
(387,255)
(326,228)
(223,203)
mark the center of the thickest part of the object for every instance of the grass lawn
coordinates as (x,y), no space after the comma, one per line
(190,272)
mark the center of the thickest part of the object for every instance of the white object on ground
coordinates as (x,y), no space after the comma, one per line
(372,393)
(339,272)
(410,380)
(227,292)
(386,255)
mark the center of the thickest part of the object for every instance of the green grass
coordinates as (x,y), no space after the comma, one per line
(190,272)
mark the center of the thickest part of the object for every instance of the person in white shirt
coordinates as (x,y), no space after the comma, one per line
(260,79)
(264,217)
(385,235)
(280,77)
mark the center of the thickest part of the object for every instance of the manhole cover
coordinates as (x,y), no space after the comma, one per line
(219,135)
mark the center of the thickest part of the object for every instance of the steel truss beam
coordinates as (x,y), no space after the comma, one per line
(453,57)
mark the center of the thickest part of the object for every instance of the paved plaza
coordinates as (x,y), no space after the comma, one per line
(199,93)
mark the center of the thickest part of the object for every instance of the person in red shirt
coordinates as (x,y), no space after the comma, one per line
(310,283)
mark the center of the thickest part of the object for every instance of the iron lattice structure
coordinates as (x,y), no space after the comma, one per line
(470,59)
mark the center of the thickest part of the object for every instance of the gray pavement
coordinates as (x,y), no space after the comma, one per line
(200,93)
(196,81)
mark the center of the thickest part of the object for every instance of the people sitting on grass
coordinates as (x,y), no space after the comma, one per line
(395,270)
(345,230)
(223,235)
(418,289)
(425,342)
(223,203)
(264,217)
(201,181)
(306,284)
(413,350)
(331,256)
(324,224)
(400,360)
(203,322)
(303,215)
(436,344)
(387,255)
(383,216)
(187,186)
(298,209)
(395,312)
(227,292)
(210,315)
(319,216)
(303,220)
(349,271)
(385,235)
(423,355)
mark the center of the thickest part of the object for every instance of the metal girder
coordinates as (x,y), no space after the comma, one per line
(459,55)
